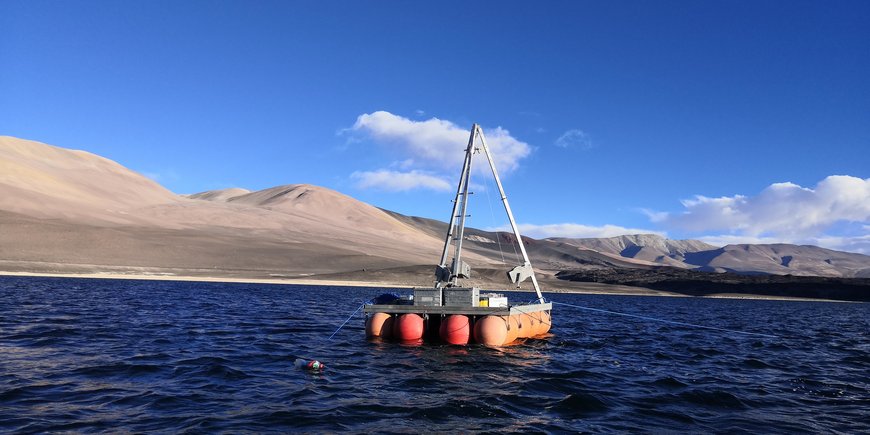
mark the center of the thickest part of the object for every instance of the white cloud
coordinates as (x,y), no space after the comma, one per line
(703,213)
(574,139)
(576,231)
(781,213)
(403,164)
(395,181)
(860,244)
(437,144)
(783,209)
(654,216)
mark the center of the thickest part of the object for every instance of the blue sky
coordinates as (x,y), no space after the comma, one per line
(728,121)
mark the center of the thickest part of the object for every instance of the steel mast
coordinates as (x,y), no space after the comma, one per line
(443,274)
(459,269)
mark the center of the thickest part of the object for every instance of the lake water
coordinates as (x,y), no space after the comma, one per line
(136,356)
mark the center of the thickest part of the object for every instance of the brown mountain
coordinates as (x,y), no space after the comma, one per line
(646,247)
(782,259)
(44,181)
(64,211)
(72,211)
(774,259)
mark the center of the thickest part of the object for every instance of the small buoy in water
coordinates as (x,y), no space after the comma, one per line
(455,329)
(408,327)
(491,331)
(313,365)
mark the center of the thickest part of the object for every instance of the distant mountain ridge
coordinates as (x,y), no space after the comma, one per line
(61,207)
(778,259)
(647,247)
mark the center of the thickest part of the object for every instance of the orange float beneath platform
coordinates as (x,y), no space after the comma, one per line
(455,329)
(379,325)
(473,325)
(491,331)
(408,327)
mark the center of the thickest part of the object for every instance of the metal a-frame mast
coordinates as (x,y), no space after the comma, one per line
(455,233)
(443,274)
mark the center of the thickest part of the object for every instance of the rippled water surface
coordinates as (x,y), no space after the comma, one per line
(135,356)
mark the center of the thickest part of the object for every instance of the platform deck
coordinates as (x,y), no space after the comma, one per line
(468,311)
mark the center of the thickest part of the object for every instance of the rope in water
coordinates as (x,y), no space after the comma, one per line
(348,319)
(664,321)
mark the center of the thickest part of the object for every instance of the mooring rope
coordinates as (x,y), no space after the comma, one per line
(348,319)
(599,310)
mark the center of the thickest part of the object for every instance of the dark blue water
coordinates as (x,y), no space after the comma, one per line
(134,356)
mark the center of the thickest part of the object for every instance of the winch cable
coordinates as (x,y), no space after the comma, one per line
(492,217)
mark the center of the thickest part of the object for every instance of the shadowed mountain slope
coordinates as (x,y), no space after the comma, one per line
(647,247)
(783,259)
